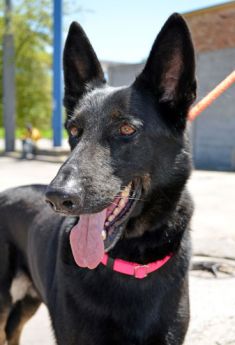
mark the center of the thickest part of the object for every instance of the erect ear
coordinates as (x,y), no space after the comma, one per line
(169,72)
(81,66)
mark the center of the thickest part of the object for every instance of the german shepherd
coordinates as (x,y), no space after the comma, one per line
(110,257)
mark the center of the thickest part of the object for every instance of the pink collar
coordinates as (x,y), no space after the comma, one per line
(133,268)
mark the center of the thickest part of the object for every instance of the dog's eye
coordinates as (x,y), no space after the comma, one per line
(74,131)
(127,129)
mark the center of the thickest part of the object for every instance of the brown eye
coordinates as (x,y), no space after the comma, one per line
(127,129)
(74,131)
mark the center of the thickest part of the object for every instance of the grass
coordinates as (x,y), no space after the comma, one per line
(46,133)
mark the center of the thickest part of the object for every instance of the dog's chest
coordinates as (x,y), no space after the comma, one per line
(121,308)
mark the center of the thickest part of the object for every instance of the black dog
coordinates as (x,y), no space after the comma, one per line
(126,177)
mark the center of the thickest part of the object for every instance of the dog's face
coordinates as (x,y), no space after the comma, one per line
(127,143)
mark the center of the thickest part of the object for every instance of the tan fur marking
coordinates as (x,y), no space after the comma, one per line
(20,287)
(115,113)
(146,182)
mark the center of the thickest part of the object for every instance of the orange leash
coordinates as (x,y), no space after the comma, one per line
(211,96)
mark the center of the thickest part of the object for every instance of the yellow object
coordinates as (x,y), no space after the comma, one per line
(32,134)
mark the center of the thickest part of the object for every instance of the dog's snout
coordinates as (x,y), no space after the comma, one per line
(60,201)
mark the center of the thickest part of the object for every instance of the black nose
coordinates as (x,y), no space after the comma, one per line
(61,201)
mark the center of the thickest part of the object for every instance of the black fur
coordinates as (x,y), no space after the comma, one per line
(101,306)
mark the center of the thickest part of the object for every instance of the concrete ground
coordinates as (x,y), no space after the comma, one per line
(213,231)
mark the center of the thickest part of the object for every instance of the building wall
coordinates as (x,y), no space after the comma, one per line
(123,74)
(213,133)
(214,130)
(213,28)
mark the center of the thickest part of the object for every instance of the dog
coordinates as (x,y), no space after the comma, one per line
(109,252)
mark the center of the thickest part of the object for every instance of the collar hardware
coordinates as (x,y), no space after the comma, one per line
(141,271)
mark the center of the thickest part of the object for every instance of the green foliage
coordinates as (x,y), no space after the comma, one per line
(31,26)
(1,71)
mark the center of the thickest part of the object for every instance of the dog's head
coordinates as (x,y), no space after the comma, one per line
(128,146)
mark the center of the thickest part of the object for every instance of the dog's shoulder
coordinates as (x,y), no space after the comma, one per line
(30,193)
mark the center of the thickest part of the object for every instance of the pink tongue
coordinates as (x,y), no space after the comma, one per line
(86,241)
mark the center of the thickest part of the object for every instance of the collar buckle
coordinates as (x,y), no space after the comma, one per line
(141,271)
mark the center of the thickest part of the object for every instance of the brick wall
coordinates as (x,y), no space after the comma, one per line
(213,28)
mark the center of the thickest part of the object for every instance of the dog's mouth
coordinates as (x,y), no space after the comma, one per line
(118,214)
(97,233)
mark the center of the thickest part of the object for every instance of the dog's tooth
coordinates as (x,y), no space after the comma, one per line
(111,218)
(125,200)
(106,223)
(125,190)
(125,193)
(116,211)
(122,203)
(104,235)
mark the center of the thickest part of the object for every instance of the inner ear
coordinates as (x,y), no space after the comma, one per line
(169,79)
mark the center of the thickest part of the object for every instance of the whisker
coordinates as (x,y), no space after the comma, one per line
(130,198)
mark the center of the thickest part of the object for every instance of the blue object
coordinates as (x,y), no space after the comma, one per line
(57,74)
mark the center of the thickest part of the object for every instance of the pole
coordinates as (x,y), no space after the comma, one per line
(8,81)
(212,96)
(57,74)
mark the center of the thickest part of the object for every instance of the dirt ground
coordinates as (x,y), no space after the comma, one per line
(213,232)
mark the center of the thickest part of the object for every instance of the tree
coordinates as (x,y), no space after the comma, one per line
(31,25)
(32,29)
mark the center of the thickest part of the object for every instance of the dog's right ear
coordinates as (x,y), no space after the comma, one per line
(81,66)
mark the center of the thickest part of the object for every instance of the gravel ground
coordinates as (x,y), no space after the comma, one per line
(212,299)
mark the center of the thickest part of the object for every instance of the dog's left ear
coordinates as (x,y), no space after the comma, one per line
(169,72)
(81,66)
